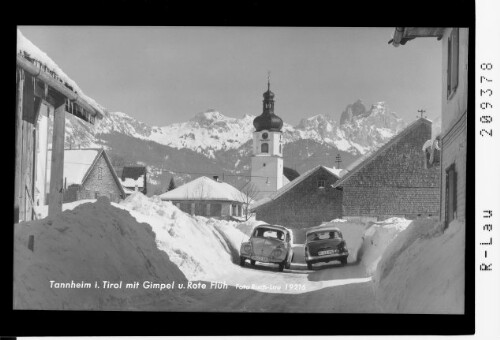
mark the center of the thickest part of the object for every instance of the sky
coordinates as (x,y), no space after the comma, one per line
(163,75)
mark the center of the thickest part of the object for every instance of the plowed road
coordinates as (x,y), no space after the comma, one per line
(262,288)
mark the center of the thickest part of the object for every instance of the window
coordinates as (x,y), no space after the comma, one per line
(452,81)
(280,148)
(99,173)
(321,184)
(451,195)
(265,135)
(264,148)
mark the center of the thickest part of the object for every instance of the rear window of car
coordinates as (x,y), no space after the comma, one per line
(323,235)
(269,233)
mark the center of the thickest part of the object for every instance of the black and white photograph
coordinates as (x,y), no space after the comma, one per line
(241,169)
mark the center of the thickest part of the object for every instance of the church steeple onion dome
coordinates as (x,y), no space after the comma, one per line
(268,120)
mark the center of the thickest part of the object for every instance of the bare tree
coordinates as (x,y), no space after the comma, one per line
(249,193)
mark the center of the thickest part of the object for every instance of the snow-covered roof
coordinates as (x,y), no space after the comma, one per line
(367,158)
(204,188)
(130,182)
(26,47)
(334,171)
(77,165)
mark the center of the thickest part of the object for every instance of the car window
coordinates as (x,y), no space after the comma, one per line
(269,233)
(323,235)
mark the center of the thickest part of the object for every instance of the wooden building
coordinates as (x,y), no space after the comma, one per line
(307,201)
(394,180)
(207,197)
(134,178)
(88,174)
(42,89)
(453,137)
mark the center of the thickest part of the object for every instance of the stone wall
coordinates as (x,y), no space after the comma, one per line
(100,186)
(397,181)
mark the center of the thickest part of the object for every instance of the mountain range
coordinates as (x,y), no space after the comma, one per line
(212,143)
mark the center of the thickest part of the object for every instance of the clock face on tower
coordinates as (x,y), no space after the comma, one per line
(265,135)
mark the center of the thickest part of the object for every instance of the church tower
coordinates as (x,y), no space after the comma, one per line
(267,155)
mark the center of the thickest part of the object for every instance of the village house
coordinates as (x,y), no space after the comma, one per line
(307,201)
(134,178)
(88,174)
(453,137)
(394,180)
(43,90)
(207,197)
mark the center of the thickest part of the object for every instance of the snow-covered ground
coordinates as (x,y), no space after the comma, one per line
(377,238)
(422,270)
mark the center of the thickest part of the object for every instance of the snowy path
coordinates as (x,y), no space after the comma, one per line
(328,290)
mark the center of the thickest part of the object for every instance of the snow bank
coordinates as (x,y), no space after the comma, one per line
(422,270)
(43,210)
(377,238)
(203,248)
(92,242)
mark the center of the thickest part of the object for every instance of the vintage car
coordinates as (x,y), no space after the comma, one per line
(325,244)
(268,244)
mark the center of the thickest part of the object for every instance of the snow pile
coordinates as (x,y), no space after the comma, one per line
(43,210)
(203,248)
(422,270)
(91,243)
(377,238)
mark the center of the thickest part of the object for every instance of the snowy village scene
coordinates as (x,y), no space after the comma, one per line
(241,169)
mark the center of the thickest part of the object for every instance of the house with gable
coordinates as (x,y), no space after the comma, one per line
(307,201)
(394,180)
(207,197)
(88,174)
(453,138)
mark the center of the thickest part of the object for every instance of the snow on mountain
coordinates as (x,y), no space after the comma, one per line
(211,131)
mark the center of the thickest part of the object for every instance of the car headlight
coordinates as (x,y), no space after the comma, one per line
(247,248)
(276,253)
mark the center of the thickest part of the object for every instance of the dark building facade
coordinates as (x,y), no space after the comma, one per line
(305,202)
(395,180)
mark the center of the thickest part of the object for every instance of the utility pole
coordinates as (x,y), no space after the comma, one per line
(338,160)
(421,111)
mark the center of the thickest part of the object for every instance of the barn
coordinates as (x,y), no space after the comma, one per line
(88,173)
(43,91)
(394,180)
(307,201)
(207,197)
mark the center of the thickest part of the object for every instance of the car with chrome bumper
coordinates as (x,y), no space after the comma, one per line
(268,244)
(325,244)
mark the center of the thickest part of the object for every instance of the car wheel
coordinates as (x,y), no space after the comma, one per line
(343,261)
(252,262)
(309,266)
(287,264)
(242,261)
(281,266)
